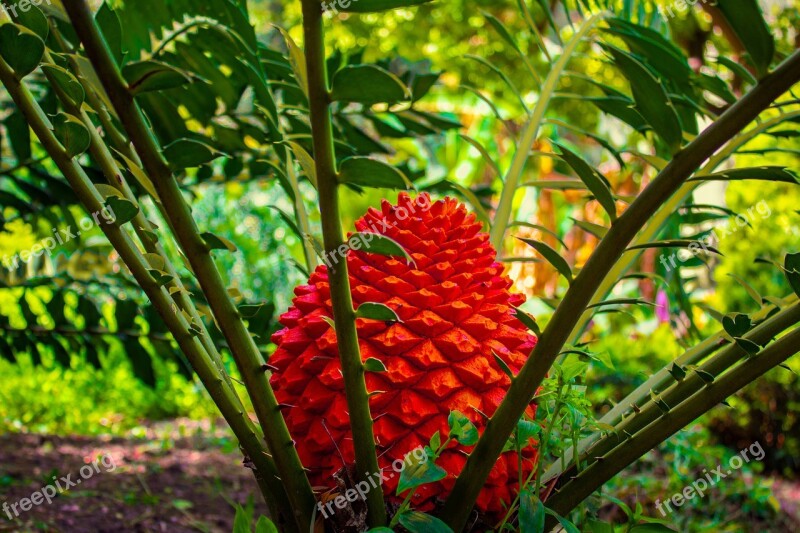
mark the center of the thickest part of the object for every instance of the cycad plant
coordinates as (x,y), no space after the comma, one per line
(406,337)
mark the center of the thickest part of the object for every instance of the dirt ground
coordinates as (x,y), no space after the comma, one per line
(175,477)
(164,481)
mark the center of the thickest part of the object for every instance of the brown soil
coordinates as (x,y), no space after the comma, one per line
(164,480)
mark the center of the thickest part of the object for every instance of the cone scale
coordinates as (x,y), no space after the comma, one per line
(456,312)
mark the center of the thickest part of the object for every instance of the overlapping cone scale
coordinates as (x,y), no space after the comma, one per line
(456,310)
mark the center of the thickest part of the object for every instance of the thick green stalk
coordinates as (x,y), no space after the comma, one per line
(660,379)
(586,283)
(579,488)
(657,382)
(243,348)
(108,166)
(679,391)
(333,237)
(224,396)
(529,135)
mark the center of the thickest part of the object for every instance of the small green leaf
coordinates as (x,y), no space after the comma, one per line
(765,173)
(792,270)
(149,75)
(436,441)
(21,48)
(417,522)
(659,402)
(737,69)
(590,228)
(595,181)
(375,243)
(674,243)
(123,210)
(604,358)
(110,27)
(368,172)
(368,85)
(504,33)
(596,526)
(527,320)
(568,526)
(537,227)
(748,23)
(161,278)
(558,185)
(377,311)
(33,19)
(484,154)
(297,59)
(305,160)
(622,301)
(189,153)
(67,83)
(737,324)
(249,310)
(705,376)
(503,366)
(419,471)
(527,430)
(265,525)
(72,134)
(215,242)
(747,345)
(139,174)
(531,512)
(552,257)
(374,365)
(748,288)
(574,369)
(462,429)
(241,520)
(677,371)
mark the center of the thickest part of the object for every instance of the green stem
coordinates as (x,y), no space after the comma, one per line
(657,383)
(529,135)
(243,348)
(114,176)
(586,283)
(223,396)
(341,297)
(670,423)
(689,385)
